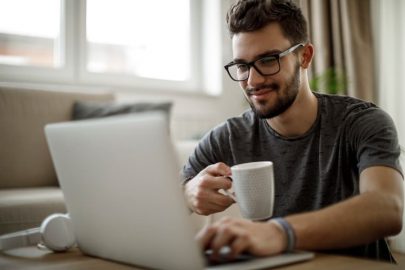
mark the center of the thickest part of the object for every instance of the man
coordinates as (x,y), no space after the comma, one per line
(338,182)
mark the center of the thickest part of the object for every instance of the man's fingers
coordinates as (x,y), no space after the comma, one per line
(238,246)
(205,235)
(219,169)
(232,235)
(215,207)
(224,236)
(209,208)
(222,200)
(217,182)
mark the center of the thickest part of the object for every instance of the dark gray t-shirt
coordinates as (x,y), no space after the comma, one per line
(314,170)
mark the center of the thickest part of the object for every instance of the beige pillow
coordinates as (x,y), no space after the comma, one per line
(24,157)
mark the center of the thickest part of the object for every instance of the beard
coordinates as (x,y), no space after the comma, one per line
(284,98)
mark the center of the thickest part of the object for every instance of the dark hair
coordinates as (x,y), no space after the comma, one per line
(252,15)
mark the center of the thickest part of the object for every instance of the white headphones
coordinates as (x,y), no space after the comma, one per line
(56,233)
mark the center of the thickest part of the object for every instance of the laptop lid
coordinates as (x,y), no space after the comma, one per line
(119,176)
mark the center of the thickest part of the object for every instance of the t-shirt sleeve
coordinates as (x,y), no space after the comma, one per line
(375,139)
(208,151)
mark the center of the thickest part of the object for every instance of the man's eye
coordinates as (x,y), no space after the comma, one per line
(267,61)
(242,67)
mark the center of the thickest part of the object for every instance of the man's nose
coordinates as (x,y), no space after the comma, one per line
(255,78)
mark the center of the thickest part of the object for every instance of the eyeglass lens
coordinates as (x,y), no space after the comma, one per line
(265,66)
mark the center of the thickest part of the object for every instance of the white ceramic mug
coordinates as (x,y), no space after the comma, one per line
(253,184)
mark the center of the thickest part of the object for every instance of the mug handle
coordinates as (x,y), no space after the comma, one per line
(227,192)
(230,194)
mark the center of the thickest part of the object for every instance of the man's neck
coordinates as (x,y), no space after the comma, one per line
(299,118)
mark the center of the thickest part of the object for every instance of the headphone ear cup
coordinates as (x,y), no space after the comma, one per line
(57,232)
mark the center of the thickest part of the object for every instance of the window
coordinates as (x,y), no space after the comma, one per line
(30,36)
(123,44)
(101,42)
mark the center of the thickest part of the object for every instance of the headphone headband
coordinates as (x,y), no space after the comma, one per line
(56,233)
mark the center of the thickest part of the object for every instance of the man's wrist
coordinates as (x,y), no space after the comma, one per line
(288,231)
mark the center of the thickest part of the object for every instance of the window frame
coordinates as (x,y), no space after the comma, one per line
(74,58)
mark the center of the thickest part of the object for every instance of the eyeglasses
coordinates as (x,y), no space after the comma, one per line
(265,66)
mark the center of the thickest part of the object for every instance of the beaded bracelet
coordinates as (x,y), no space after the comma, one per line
(289,231)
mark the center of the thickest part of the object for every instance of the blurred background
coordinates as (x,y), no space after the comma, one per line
(175,51)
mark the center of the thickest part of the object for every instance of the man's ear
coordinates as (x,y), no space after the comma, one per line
(307,55)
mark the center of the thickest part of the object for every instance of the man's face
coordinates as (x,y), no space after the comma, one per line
(271,95)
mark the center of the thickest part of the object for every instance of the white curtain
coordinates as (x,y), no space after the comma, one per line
(390,55)
(389,26)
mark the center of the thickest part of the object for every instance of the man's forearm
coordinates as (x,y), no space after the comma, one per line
(359,220)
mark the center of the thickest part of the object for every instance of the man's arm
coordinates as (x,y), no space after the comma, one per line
(374,214)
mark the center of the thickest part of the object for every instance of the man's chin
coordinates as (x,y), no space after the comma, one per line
(267,113)
(264,110)
(263,113)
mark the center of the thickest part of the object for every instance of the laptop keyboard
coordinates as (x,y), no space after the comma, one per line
(223,257)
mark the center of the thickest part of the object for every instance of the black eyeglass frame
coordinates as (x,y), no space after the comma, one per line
(252,63)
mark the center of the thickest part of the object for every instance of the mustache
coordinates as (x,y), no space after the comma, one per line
(272,86)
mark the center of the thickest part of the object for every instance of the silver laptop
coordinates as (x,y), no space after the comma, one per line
(120,179)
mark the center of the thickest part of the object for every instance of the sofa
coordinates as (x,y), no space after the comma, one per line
(29,189)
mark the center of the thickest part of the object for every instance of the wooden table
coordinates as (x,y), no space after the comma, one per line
(33,258)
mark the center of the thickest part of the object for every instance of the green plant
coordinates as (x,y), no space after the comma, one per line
(331,81)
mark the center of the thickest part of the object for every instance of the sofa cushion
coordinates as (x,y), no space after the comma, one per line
(24,157)
(24,208)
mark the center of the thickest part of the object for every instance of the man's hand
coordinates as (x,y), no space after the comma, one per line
(257,238)
(202,191)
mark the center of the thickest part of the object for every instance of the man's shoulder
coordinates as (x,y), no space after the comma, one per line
(352,113)
(344,107)
(335,100)
(246,118)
